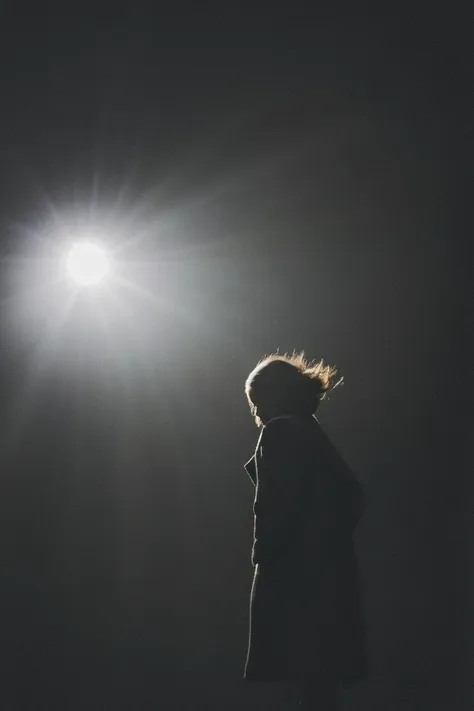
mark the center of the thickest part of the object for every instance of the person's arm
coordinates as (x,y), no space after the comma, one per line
(282,469)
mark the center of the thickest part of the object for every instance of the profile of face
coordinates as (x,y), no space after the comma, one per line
(258,414)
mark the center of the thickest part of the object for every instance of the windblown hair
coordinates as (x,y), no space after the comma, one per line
(288,385)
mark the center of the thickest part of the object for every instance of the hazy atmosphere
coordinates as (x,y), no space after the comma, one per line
(257,180)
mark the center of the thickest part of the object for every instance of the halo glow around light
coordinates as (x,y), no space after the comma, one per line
(87,264)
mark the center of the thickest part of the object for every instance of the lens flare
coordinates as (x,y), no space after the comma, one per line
(87,264)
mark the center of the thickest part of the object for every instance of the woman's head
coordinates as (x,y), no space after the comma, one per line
(287,385)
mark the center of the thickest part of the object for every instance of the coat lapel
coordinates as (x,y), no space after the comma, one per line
(251,465)
(251,469)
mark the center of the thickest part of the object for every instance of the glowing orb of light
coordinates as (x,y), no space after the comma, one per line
(87,264)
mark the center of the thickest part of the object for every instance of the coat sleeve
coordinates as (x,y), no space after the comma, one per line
(281,468)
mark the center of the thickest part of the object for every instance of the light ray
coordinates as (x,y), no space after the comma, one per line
(21,410)
(162,303)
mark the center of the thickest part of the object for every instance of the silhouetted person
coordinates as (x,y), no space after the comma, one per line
(306,615)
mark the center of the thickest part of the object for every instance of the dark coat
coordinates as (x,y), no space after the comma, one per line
(306,611)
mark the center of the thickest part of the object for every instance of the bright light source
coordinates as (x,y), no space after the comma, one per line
(87,264)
